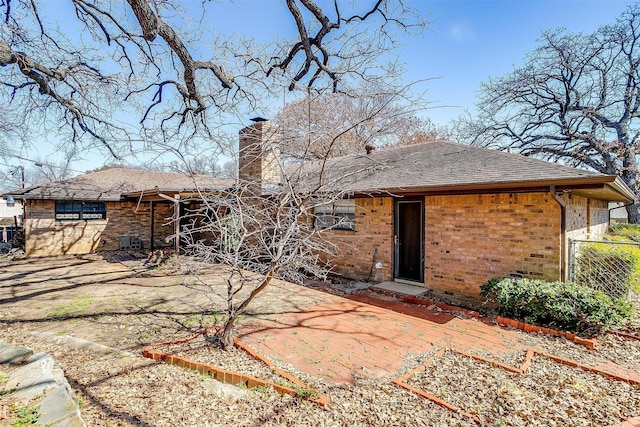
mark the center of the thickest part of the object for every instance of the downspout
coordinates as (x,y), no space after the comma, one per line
(177,213)
(25,222)
(563,232)
(153,223)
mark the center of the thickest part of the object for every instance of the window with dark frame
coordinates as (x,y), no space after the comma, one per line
(73,210)
(339,215)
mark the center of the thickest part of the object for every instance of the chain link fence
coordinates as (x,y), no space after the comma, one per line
(610,266)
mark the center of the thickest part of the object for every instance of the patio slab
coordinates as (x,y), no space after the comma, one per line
(339,338)
(400,288)
(371,335)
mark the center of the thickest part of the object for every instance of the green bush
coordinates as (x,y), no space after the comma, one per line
(630,232)
(565,306)
(612,268)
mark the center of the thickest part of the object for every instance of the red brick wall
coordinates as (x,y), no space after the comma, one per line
(371,243)
(469,239)
(45,236)
(163,225)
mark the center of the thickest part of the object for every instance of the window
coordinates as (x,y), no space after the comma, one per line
(76,211)
(340,215)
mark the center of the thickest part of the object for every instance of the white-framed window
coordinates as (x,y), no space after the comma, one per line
(73,210)
(339,215)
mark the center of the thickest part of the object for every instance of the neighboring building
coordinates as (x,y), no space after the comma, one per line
(448,216)
(10,216)
(112,209)
(618,213)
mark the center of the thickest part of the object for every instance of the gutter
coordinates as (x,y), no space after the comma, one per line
(595,182)
(621,187)
(563,231)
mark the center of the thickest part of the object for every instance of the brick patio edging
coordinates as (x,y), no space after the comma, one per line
(400,381)
(624,335)
(587,342)
(410,299)
(234,378)
(631,422)
(440,402)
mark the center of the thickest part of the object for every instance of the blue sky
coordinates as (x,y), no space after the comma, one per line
(472,40)
(467,41)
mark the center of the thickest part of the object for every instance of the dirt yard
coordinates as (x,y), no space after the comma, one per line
(122,304)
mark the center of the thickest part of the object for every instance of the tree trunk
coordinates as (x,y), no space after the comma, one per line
(227,333)
(630,177)
(633,212)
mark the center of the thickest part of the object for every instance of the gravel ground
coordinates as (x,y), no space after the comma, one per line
(140,392)
(134,391)
(546,394)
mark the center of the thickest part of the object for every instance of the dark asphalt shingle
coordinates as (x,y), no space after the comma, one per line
(110,184)
(431,165)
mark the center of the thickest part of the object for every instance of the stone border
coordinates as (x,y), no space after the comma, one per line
(400,381)
(234,378)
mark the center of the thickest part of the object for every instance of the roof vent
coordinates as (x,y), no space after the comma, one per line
(370,148)
(259,119)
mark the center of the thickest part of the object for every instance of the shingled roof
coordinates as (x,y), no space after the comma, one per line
(444,166)
(112,184)
(434,167)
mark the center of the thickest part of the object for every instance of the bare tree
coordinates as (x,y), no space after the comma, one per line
(195,165)
(270,223)
(44,171)
(229,170)
(347,122)
(257,237)
(36,172)
(256,240)
(575,100)
(177,79)
(156,67)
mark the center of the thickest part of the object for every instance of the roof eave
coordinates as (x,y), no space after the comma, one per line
(184,193)
(618,189)
(621,187)
(99,198)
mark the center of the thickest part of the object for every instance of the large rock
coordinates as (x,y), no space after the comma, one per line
(42,382)
(10,355)
(35,378)
(58,408)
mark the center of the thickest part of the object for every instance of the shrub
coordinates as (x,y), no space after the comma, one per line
(630,232)
(612,268)
(566,306)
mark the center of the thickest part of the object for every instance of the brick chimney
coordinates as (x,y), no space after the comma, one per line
(259,154)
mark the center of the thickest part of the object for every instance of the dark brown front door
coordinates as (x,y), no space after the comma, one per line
(409,244)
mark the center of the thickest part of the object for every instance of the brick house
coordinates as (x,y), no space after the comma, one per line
(107,210)
(445,216)
(440,215)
